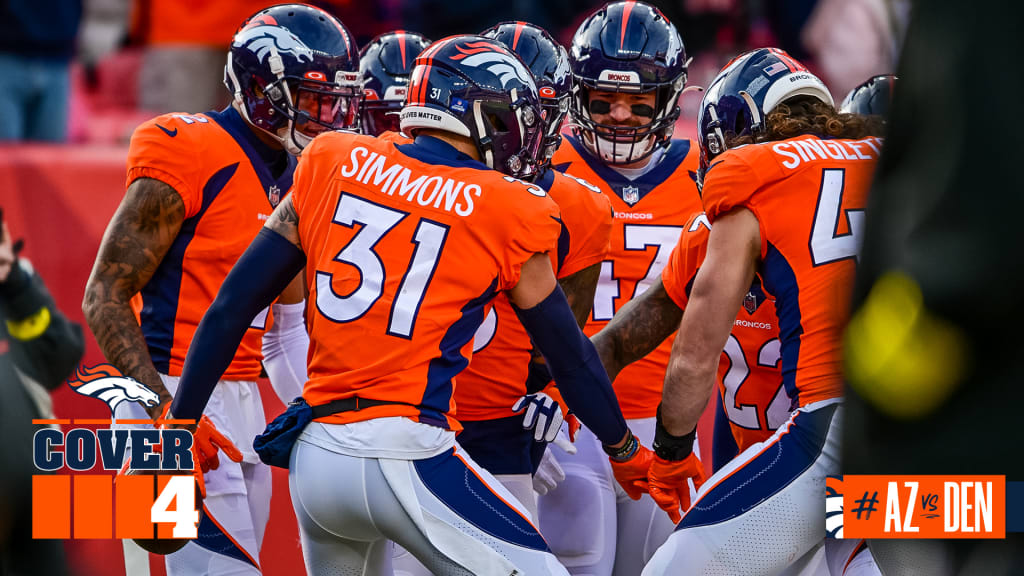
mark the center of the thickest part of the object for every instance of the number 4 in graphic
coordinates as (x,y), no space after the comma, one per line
(826,244)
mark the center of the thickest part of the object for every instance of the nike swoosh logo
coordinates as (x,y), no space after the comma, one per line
(171,133)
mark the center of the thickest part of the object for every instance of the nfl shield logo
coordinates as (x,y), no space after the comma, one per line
(630,194)
(274,194)
(750,303)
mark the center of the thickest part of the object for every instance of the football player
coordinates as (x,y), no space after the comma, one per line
(404,245)
(784,184)
(385,65)
(200,187)
(628,68)
(498,383)
(753,401)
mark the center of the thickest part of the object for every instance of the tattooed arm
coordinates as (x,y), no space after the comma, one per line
(134,244)
(637,329)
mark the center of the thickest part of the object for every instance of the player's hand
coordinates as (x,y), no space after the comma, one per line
(572,424)
(543,416)
(548,475)
(668,483)
(207,441)
(632,474)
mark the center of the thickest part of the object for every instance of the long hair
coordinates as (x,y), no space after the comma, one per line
(807,115)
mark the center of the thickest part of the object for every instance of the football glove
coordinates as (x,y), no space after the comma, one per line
(543,416)
(667,483)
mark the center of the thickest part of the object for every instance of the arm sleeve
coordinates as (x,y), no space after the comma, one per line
(285,347)
(575,366)
(263,271)
(45,345)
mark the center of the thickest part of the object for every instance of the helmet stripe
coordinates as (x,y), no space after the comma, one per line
(428,60)
(626,9)
(401,46)
(515,37)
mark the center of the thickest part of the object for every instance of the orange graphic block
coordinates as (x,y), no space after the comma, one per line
(51,507)
(93,501)
(134,500)
(923,506)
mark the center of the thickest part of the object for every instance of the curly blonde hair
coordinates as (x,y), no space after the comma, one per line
(807,115)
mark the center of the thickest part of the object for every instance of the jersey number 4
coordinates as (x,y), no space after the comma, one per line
(827,244)
(376,222)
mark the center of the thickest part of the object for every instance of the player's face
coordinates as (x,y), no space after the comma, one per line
(621,109)
(329,109)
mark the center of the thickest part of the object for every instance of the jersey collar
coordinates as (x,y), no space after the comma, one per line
(260,155)
(631,191)
(430,150)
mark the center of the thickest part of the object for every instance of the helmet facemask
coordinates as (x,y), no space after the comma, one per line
(616,144)
(509,137)
(553,110)
(298,108)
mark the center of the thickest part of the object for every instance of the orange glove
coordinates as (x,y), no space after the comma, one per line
(632,474)
(573,424)
(630,464)
(207,441)
(668,486)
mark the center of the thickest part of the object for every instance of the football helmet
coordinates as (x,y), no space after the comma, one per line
(294,72)
(549,63)
(385,65)
(870,98)
(626,47)
(475,87)
(745,92)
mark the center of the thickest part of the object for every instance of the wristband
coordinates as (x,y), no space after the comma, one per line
(627,451)
(669,447)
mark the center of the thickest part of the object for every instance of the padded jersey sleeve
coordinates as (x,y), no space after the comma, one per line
(733,180)
(587,215)
(167,149)
(685,260)
(528,221)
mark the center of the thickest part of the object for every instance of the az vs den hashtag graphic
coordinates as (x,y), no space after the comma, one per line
(156,498)
(915,506)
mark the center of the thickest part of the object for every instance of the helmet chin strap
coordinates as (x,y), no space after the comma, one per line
(488,154)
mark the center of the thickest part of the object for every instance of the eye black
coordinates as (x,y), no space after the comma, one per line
(600,107)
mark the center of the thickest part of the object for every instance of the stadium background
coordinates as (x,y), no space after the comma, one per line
(59,196)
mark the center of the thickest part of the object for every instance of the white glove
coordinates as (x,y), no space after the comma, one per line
(550,474)
(543,415)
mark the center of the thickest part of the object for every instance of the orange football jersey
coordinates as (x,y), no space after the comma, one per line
(749,379)
(405,248)
(496,378)
(227,192)
(809,195)
(649,214)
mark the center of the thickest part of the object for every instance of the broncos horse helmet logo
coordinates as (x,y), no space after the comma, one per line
(484,55)
(106,383)
(261,40)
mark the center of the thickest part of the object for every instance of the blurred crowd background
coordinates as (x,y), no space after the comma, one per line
(88,71)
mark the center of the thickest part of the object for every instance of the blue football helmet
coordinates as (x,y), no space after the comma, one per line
(626,47)
(475,87)
(385,64)
(549,63)
(870,98)
(750,87)
(294,72)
